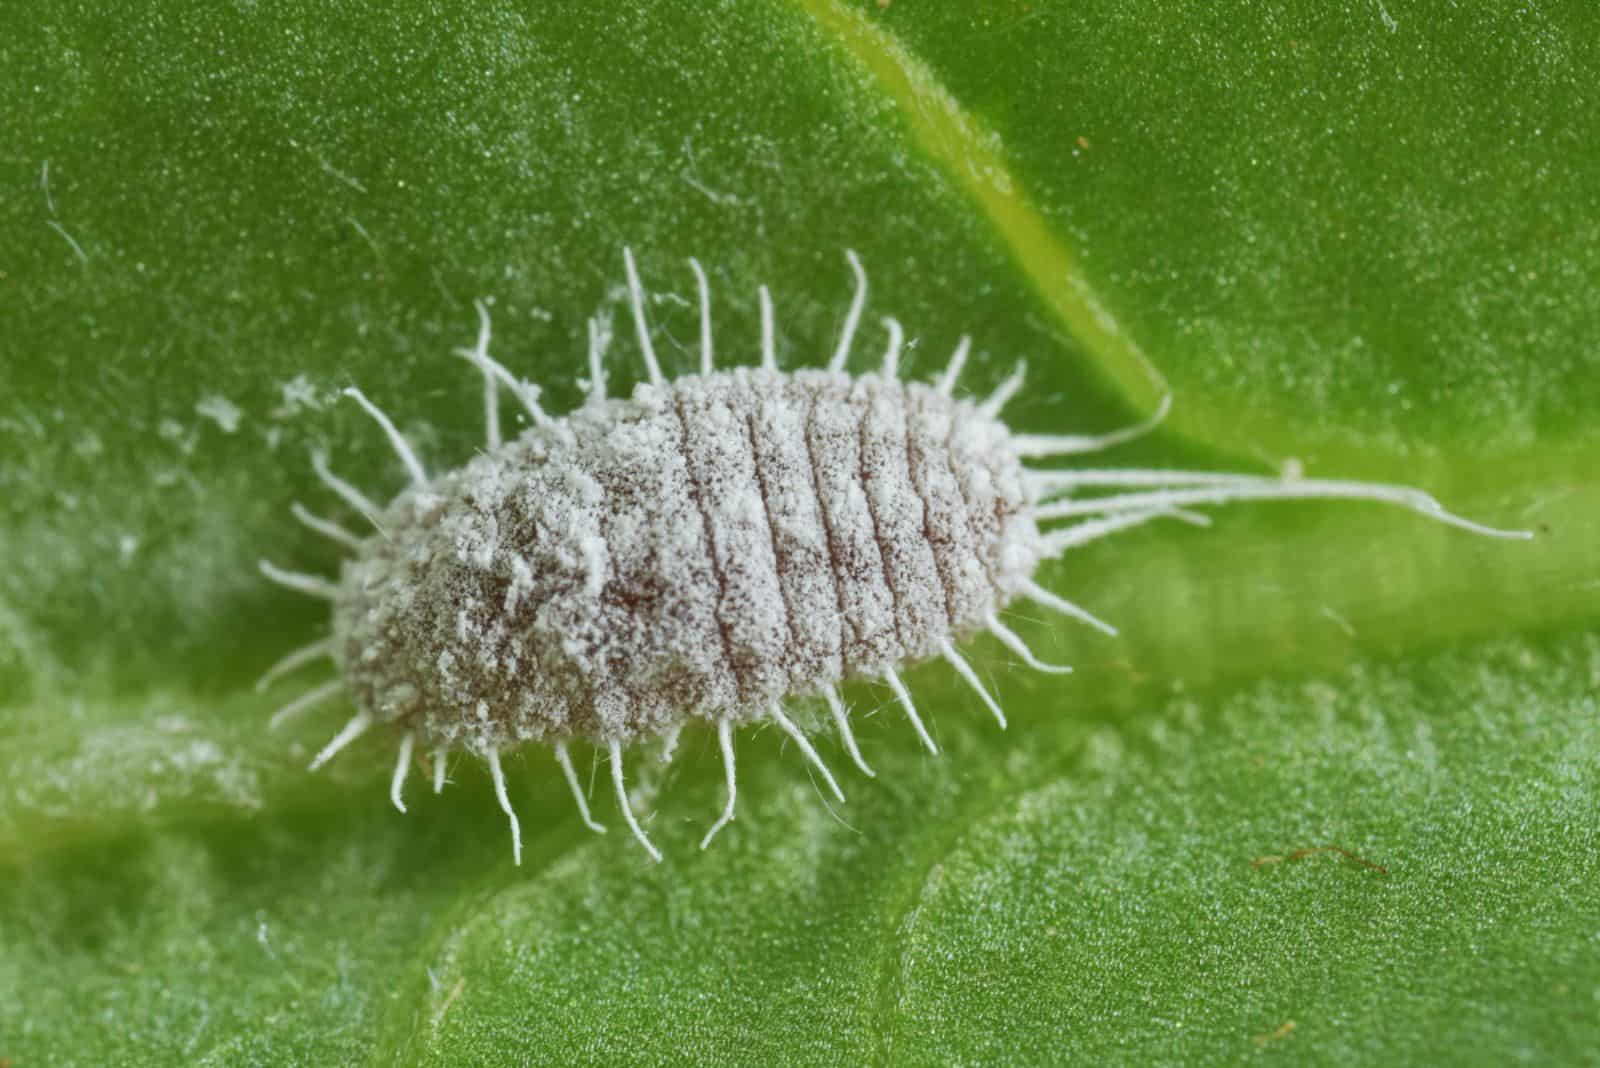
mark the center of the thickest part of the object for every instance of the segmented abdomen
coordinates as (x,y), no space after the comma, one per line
(710,547)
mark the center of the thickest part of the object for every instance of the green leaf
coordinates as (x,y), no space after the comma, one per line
(1359,239)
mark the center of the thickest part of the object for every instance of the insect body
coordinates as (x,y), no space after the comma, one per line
(707,550)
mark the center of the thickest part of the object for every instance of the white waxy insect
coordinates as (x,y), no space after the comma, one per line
(710,549)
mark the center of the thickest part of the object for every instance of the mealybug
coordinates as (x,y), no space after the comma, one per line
(709,549)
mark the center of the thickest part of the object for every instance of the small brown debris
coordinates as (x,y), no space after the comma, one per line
(1284,1030)
(1298,854)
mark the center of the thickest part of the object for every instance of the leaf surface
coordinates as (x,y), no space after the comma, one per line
(1353,238)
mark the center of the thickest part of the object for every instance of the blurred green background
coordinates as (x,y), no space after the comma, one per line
(1357,237)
